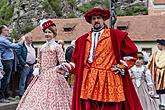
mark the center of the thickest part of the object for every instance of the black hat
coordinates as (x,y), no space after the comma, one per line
(161,41)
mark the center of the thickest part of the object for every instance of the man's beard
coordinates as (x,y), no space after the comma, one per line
(100,27)
(97,27)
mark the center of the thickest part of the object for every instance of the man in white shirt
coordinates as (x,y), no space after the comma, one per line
(27,57)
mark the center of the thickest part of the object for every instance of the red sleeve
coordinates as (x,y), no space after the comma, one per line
(129,51)
(74,58)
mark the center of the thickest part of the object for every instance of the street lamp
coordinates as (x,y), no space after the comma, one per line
(110,13)
(113,17)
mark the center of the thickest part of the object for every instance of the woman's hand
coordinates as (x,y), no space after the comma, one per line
(37,65)
(151,93)
(60,70)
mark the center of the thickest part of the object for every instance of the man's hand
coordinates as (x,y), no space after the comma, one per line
(1,74)
(117,69)
(114,68)
(26,65)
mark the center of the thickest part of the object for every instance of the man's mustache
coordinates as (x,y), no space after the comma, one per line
(97,23)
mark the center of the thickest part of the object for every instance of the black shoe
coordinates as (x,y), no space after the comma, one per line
(11,99)
(162,107)
(20,96)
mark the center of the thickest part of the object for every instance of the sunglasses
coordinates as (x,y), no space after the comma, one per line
(140,58)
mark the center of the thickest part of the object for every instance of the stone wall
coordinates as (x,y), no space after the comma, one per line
(28,13)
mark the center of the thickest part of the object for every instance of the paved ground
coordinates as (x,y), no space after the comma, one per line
(13,104)
(9,106)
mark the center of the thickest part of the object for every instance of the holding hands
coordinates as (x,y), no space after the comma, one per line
(61,69)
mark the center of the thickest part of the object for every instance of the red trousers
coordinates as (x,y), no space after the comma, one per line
(97,105)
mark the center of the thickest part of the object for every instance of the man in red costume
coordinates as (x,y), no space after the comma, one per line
(101,60)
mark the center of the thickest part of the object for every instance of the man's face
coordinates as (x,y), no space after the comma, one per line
(28,38)
(97,21)
(160,46)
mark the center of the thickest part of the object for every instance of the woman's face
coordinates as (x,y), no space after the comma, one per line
(139,61)
(5,31)
(48,34)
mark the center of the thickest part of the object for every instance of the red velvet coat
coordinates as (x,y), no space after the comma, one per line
(123,46)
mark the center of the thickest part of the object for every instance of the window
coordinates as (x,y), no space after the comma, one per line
(122,25)
(147,50)
(69,27)
(146,53)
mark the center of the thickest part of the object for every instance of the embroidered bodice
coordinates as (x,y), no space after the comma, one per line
(49,54)
(140,75)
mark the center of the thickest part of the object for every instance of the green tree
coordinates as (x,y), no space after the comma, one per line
(14,34)
(72,3)
(133,11)
(6,12)
(137,9)
(94,3)
(56,6)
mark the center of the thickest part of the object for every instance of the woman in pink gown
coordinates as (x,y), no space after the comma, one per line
(48,90)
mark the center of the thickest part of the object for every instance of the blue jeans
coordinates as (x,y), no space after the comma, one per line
(26,74)
(7,68)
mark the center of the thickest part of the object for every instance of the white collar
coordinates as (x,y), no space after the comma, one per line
(27,44)
(51,41)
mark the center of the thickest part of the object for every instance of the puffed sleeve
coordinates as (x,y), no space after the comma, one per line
(60,55)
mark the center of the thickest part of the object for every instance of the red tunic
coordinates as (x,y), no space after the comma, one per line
(122,46)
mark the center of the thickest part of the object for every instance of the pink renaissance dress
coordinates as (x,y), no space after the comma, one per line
(50,90)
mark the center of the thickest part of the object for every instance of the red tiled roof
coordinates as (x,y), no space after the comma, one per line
(141,28)
(159,1)
(145,28)
(156,12)
(79,26)
(122,24)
